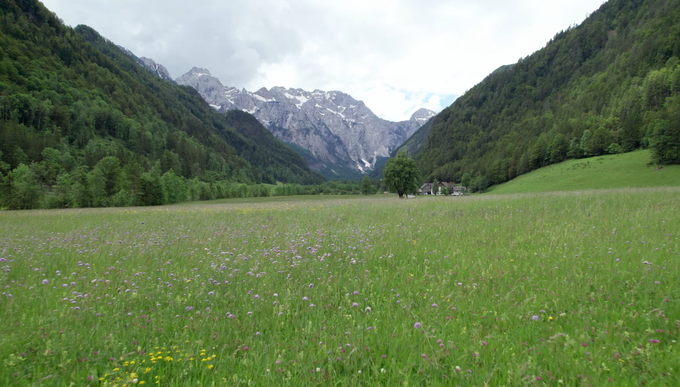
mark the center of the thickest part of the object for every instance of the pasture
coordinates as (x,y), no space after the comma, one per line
(608,171)
(560,289)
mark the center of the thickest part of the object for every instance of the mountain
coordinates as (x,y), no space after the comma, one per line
(341,134)
(609,85)
(77,111)
(149,64)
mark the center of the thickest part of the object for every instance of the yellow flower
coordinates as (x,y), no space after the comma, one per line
(115,369)
(142,382)
(168,358)
(550,318)
(147,370)
(210,367)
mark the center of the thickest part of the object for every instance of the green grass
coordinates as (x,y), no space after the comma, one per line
(611,171)
(262,294)
(303,199)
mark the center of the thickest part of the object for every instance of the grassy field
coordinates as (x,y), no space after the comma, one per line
(558,289)
(298,199)
(611,171)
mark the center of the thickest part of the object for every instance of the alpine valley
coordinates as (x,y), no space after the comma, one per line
(338,135)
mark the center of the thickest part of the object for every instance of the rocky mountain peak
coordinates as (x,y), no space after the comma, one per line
(422,115)
(157,69)
(338,131)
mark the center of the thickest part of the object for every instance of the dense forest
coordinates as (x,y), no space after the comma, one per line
(82,124)
(609,85)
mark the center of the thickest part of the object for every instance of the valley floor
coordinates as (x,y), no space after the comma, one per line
(569,289)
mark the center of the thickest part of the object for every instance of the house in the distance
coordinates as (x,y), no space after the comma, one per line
(427,189)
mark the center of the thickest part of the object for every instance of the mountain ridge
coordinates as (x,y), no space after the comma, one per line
(335,128)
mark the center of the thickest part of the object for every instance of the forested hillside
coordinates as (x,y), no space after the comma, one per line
(610,85)
(82,124)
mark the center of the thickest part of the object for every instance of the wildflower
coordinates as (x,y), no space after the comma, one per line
(311,286)
(245,348)
(210,367)
(417,325)
(434,305)
(354,304)
(424,356)
(535,318)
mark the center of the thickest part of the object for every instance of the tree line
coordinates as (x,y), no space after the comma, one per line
(88,126)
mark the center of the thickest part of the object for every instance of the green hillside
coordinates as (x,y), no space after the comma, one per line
(70,99)
(609,85)
(610,171)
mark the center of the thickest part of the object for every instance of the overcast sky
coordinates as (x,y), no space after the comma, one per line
(395,55)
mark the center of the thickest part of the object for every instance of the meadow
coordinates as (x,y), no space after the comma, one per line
(609,171)
(557,289)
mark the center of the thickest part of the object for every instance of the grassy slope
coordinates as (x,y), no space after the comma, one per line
(612,171)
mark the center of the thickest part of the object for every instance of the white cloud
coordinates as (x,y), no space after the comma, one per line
(395,55)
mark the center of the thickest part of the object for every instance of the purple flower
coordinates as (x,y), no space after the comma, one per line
(369,328)
(44,282)
(356,293)
(434,305)
(305,298)
(416,325)
(535,318)
(189,308)
(311,286)
(354,304)
(424,356)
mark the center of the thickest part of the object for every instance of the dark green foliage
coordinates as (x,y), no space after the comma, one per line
(402,175)
(466,180)
(557,150)
(665,131)
(72,103)
(21,190)
(366,187)
(604,82)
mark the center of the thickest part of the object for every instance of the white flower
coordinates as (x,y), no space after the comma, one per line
(382,370)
